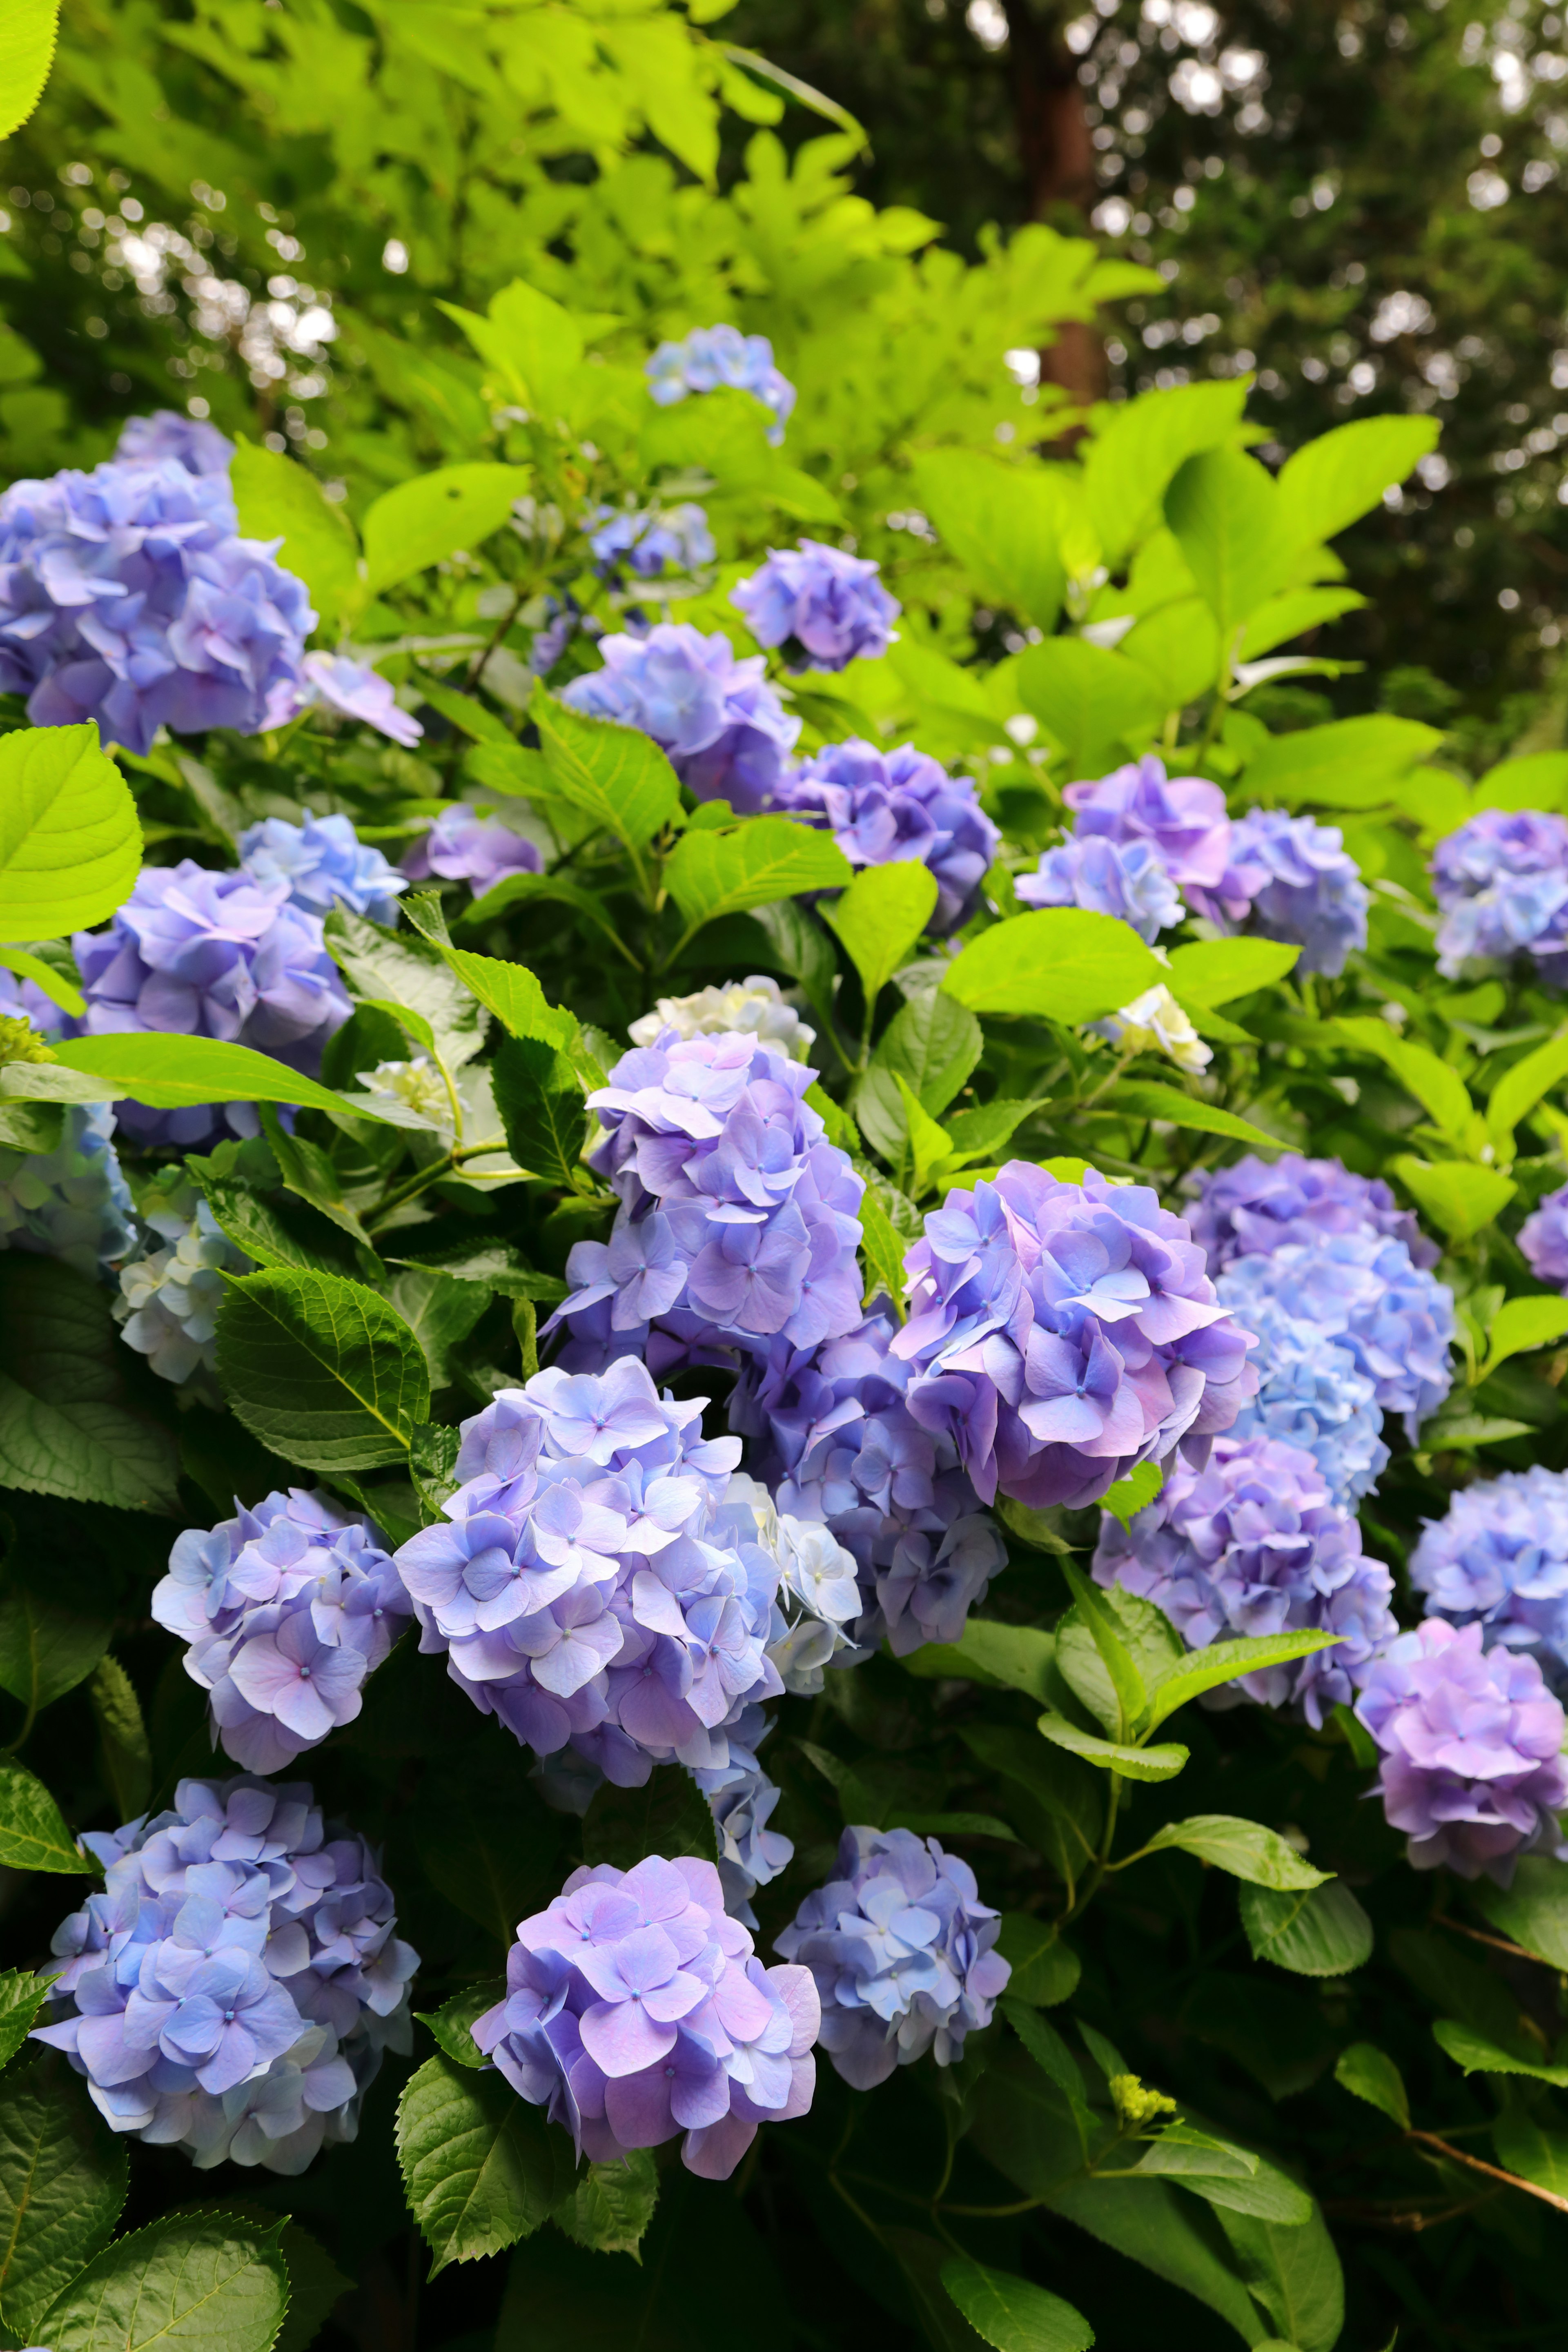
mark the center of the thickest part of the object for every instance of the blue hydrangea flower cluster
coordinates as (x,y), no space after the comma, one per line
(1472,1768)
(325,865)
(636,2009)
(823,607)
(1060,1333)
(1311,1394)
(1252,1544)
(464,846)
(1181,818)
(126,597)
(882,806)
(737,1219)
(725,730)
(1257,1206)
(581,1587)
(287,1608)
(198,446)
(211,955)
(1543,1238)
(232,1987)
(1501,887)
(711,356)
(1499,1558)
(901,1948)
(668,539)
(169,1297)
(72,1202)
(832,1433)
(1127,879)
(1291,878)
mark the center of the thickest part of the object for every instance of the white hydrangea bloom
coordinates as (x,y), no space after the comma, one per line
(169,1298)
(752,1004)
(1155,1023)
(419,1093)
(72,1202)
(818,1595)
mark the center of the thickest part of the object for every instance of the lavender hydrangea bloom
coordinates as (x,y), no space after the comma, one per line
(1543,1238)
(127,598)
(167,1310)
(1059,1334)
(737,1219)
(287,1608)
(463,846)
(1502,885)
(901,1946)
(1472,1739)
(23,1000)
(1127,879)
(72,1202)
(199,448)
(722,725)
(211,955)
(1291,878)
(353,690)
(832,1433)
(1394,1317)
(325,865)
(232,1987)
(672,539)
(884,806)
(1181,817)
(1500,1560)
(1252,1544)
(825,608)
(1310,1396)
(1258,1206)
(711,356)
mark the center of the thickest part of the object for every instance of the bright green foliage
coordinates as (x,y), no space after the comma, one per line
(69,841)
(202,2280)
(481,2169)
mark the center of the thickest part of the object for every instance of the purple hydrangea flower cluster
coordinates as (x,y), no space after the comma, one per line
(127,597)
(199,448)
(1183,818)
(670,539)
(463,846)
(211,955)
(1501,887)
(833,1436)
(824,608)
(325,865)
(1472,1767)
(725,730)
(636,2009)
(1394,1317)
(1291,878)
(1499,1558)
(1060,1333)
(581,1586)
(232,1989)
(72,1202)
(1257,1206)
(1128,880)
(711,356)
(1252,1544)
(1543,1238)
(737,1219)
(287,1608)
(901,1948)
(1311,1395)
(883,806)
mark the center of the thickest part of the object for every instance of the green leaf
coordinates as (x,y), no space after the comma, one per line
(1223,2174)
(1455,1193)
(452,2024)
(1001,523)
(44,1649)
(1094,705)
(431,516)
(278,499)
(1349,763)
(515,889)
(1054,2059)
(1225,512)
(439,1311)
(1011,2314)
(65,1427)
(473,717)
(123,1745)
(1148,1099)
(983,1132)
(31,1126)
(1532,1909)
(1436,1086)
(615,776)
(509,991)
(56,987)
(933,1043)
(1290,614)
(613,2205)
(1538,780)
(70,845)
(1524,2147)
(710,873)
(1223,1661)
(883,1252)
(539,1097)
(32,1836)
(1140,446)
(271,1233)
(313,1176)
(1521,1324)
(1321,1931)
(1477,2055)
(21,1996)
(1055,1798)
(1294,2272)
(1057,964)
(1216,971)
(1369,2073)
(1246,1849)
(1134,1493)
(27,33)
(411,976)
(1518,1089)
(1046,1971)
(321,1371)
(530,344)
(1093,1612)
(170,1073)
(1337,477)
(667,1815)
(63,2182)
(881,917)
(1019,1656)
(928,1142)
(194,2282)
(316,2287)
(1131,1763)
(482,2167)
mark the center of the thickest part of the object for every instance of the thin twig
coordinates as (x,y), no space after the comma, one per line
(1497,1943)
(1493,2172)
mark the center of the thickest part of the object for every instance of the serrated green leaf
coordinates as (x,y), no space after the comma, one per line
(521,889)
(63,2180)
(1223,1661)
(1160,1763)
(21,1994)
(709,873)
(615,776)
(70,845)
(482,2167)
(1058,964)
(123,1744)
(321,1371)
(452,2024)
(66,1428)
(883,1251)
(613,2205)
(1521,1086)
(193,2283)
(509,991)
(56,987)
(1521,1324)
(1226,514)
(1046,1971)
(880,918)
(1134,1493)
(32,1836)
(27,33)
(409,975)
(1369,2073)
(1011,2314)
(1532,1909)
(539,1097)
(667,1815)
(1336,477)
(1245,1849)
(1477,2055)
(1148,1099)
(44,1649)
(276,497)
(1217,971)
(169,1073)
(1437,1087)
(1320,1931)
(431,516)
(1456,1194)
(1223,2174)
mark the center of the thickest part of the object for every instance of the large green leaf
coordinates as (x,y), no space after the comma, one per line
(321,1371)
(1318,1931)
(1152,1098)
(1225,510)
(412,976)
(66,1428)
(70,844)
(1094,704)
(712,873)
(1140,444)
(1057,963)
(1349,763)
(880,918)
(63,2179)
(1521,1324)
(539,1097)
(1521,1086)
(1003,523)
(613,2205)
(483,2168)
(1011,2313)
(32,1834)
(27,30)
(168,1073)
(278,498)
(45,1649)
(1336,477)
(1224,2175)
(1532,1908)
(1246,1849)
(123,1745)
(1435,1085)
(1223,1661)
(1456,1194)
(615,776)
(509,991)
(1216,971)
(933,1043)
(1294,2270)
(431,516)
(21,1993)
(1477,2055)
(191,2282)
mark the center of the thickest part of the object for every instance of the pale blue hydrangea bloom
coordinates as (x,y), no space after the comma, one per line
(1394,1317)
(167,1310)
(1128,880)
(325,865)
(1311,1394)
(73,1202)
(824,607)
(1499,1558)
(1502,885)
(649,542)
(1291,878)
(1258,1206)
(711,356)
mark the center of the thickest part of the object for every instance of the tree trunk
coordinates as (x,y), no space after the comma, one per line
(1057,156)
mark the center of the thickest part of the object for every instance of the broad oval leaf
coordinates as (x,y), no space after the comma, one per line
(1336,477)
(482,2168)
(1003,523)
(613,2204)
(711,873)
(1046,1971)
(1226,512)
(27,31)
(321,1369)
(1216,971)
(615,776)
(32,1836)
(1011,2313)
(1456,1194)
(1161,1763)
(431,516)
(1315,1931)
(1094,704)
(1057,964)
(66,1425)
(1521,1324)
(1532,1909)
(276,497)
(1246,1849)
(1368,2072)
(63,2180)
(70,843)
(194,2282)
(881,917)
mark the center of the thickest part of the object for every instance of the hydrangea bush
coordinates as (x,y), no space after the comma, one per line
(859,1321)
